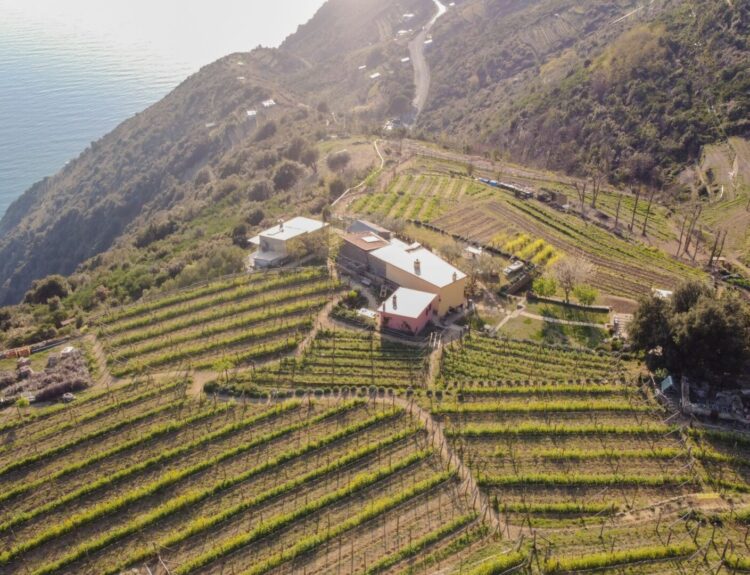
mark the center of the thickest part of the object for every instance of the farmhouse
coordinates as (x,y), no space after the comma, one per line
(407,310)
(417,268)
(291,238)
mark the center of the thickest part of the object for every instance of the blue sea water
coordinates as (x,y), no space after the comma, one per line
(72,70)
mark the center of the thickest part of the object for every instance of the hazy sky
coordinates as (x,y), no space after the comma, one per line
(194,32)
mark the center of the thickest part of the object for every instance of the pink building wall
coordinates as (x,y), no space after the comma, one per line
(405,324)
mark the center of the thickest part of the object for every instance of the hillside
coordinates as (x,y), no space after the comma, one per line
(138,172)
(630,91)
(616,86)
(170,163)
(168,409)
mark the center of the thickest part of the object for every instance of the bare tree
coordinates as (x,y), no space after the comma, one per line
(635,207)
(691,227)
(581,192)
(682,234)
(571,272)
(617,215)
(713,250)
(597,182)
(648,211)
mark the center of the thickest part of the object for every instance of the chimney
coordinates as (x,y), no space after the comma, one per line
(395,303)
(455,276)
(417,267)
(281,225)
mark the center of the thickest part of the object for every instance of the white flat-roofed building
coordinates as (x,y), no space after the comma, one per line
(273,243)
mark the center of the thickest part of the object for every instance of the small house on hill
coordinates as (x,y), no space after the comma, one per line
(407,310)
(294,237)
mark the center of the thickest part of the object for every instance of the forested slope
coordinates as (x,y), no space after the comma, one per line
(613,86)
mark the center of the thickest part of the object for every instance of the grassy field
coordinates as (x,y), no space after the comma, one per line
(235,321)
(552,333)
(253,488)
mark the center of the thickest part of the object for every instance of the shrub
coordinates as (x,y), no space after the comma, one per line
(286,175)
(44,289)
(336,187)
(266,131)
(338,161)
(261,190)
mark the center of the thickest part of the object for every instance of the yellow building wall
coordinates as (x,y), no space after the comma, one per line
(449,296)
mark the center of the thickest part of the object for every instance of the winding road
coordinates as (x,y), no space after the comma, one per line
(421,68)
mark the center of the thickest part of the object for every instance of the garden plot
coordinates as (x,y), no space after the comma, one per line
(234,321)
(260,488)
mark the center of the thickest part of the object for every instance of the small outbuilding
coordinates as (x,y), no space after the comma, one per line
(407,310)
(275,245)
(357,246)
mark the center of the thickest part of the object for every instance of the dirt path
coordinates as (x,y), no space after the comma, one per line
(363,182)
(479,500)
(105,379)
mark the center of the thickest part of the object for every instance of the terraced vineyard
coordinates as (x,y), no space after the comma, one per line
(145,475)
(725,457)
(421,197)
(479,358)
(558,433)
(343,358)
(238,320)
(622,267)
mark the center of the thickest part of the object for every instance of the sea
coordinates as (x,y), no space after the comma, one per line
(72,70)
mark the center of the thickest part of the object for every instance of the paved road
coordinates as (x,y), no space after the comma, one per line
(421,68)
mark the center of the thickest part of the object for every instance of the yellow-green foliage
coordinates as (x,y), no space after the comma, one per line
(531,249)
(599,560)
(545,255)
(516,243)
